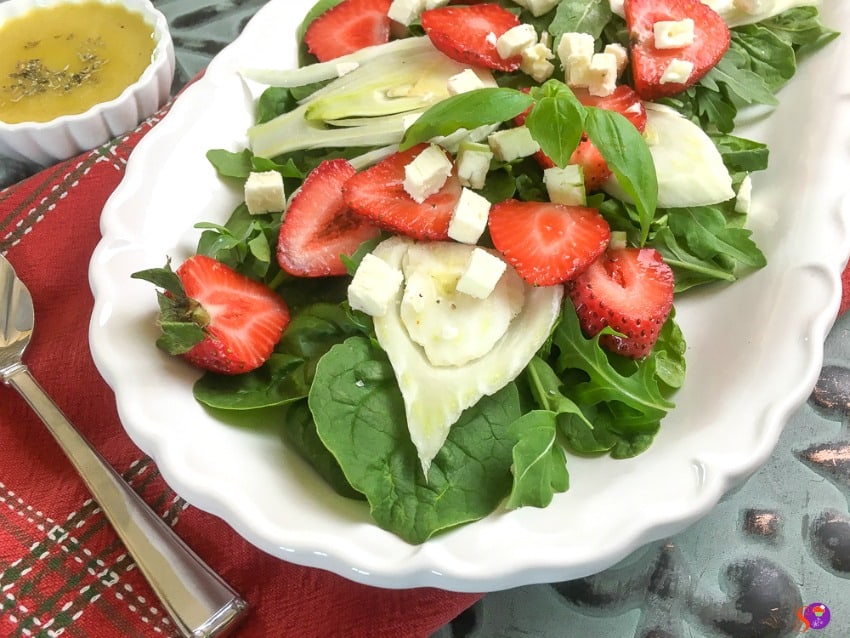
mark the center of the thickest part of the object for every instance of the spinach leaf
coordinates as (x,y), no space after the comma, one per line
(539,461)
(299,430)
(359,415)
(580,16)
(274,101)
(287,375)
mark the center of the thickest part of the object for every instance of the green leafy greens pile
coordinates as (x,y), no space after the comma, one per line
(509,450)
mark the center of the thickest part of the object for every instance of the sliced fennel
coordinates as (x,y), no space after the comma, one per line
(368,106)
(459,386)
(689,167)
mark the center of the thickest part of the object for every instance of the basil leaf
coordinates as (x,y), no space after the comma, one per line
(468,110)
(556,121)
(627,155)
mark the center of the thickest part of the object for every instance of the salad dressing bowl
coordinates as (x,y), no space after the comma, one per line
(46,142)
(754,353)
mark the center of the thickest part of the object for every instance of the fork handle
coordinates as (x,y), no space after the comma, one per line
(200,602)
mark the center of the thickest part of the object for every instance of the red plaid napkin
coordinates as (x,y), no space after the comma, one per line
(62,569)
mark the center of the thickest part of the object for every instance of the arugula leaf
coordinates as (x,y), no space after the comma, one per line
(230,164)
(539,462)
(274,101)
(802,29)
(469,110)
(355,402)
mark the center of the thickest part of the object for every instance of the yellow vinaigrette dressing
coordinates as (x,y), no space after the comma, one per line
(64,59)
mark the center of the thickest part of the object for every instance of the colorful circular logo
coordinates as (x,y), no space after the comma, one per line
(816,615)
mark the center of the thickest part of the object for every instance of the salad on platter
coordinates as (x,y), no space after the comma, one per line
(464,231)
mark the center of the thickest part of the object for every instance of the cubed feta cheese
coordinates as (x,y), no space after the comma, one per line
(405,11)
(574,44)
(565,185)
(535,62)
(426,173)
(482,273)
(466,80)
(618,7)
(512,143)
(374,285)
(264,192)
(473,163)
(538,7)
(619,52)
(577,71)
(602,74)
(743,199)
(469,218)
(678,71)
(515,39)
(673,34)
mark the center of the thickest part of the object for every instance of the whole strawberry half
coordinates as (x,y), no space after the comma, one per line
(378,194)
(547,243)
(625,101)
(319,227)
(216,318)
(630,290)
(468,34)
(348,27)
(711,40)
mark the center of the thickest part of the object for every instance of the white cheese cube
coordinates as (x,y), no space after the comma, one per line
(374,285)
(469,218)
(426,173)
(577,71)
(345,67)
(405,11)
(264,192)
(482,273)
(515,39)
(575,44)
(565,185)
(618,7)
(473,163)
(619,52)
(512,143)
(602,74)
(466,80)
(535,62)
(538,7)
(673,34)
(678,71)
(744,198)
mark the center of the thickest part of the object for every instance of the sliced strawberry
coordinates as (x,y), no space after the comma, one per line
(319,227)
(711,40)
(625,101)
(378,195)
(468,34)
(630,290)
(348,27)
(216,318)
(547,243)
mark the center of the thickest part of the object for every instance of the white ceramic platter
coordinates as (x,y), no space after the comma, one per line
(754,350)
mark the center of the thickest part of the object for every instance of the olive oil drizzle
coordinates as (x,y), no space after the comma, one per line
(31,77)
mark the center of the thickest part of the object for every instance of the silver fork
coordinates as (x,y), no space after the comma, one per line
(199,601)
